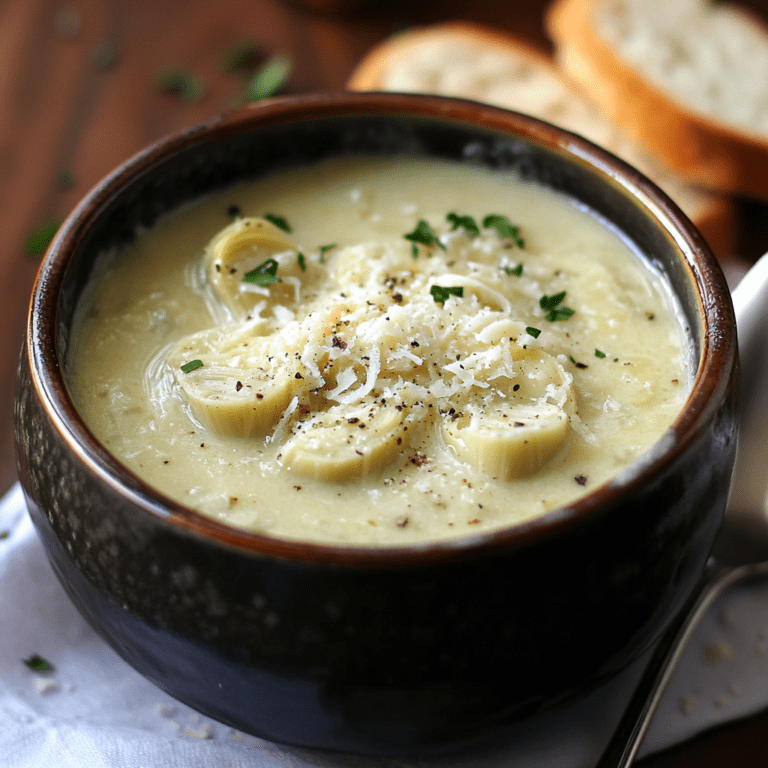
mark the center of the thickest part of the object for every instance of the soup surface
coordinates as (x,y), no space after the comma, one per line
(378,351)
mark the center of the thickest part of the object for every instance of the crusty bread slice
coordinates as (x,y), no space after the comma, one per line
(471,61)
(686,78)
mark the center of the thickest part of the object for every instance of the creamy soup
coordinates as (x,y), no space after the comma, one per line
(378,351)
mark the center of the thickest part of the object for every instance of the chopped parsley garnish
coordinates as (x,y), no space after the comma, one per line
(269,79)
(535,332)
(302,261)
(192,365)
(550,302)
(181,83)
(264,275)
(278,221)
(38,664)
(518,270)
(324,249)
(4,535)
(467,222)
(598,353)
(558,314)
(38,241)
(554,312)
(441,293)
(423,234)
(504,227)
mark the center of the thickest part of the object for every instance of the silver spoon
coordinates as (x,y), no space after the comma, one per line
(741,549)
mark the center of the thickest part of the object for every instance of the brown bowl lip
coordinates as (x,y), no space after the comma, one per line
(716,361)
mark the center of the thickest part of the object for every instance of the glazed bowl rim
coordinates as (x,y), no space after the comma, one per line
(716,359)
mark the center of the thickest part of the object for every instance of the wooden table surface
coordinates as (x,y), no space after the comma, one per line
(78,96)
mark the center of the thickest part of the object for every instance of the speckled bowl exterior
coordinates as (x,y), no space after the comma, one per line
(385,651)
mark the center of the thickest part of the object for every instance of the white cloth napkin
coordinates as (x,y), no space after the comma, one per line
(94,711)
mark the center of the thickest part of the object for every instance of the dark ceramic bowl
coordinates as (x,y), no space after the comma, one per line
(412,649)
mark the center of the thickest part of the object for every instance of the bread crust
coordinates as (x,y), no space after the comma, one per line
(368,75)
(714,215)
(699,149)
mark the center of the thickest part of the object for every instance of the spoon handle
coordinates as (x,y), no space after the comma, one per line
(629,733)
(748,487)
(746,505)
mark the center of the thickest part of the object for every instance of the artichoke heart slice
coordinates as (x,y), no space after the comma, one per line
(239,248)
(517,424)
(512,447)
(229,402)
(345,443)
(232,394)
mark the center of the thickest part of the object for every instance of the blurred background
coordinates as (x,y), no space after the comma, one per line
(84,84)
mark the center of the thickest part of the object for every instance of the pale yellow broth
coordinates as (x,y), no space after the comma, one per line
(623,351)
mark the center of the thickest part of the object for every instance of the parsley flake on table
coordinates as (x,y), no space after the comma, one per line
(65,179)
(179,82)
(192,365)
(504,227)
(268,80)
(441,293)
(423,234)
(38,240)
(104,55)
(264,275)
(467,222)
(38,664)
(551,305)
(243,56)
(67,22)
